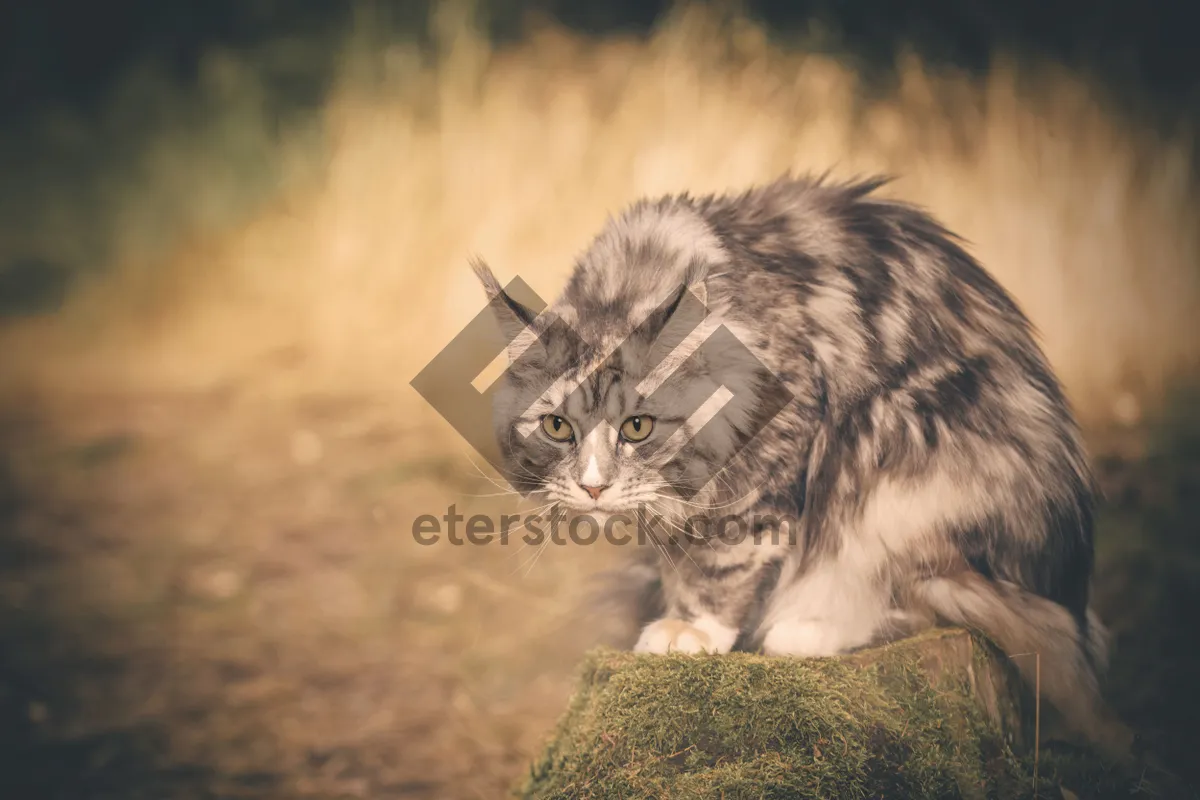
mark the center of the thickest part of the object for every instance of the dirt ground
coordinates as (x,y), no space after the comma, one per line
(218,595)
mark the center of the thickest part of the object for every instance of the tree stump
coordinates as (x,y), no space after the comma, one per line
(939,715)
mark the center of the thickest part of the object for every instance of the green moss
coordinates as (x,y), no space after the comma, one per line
(879,724)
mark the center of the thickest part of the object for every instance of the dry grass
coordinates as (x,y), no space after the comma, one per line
(359,261)
(227,454)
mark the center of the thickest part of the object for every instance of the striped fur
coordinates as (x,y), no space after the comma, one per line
(928,457)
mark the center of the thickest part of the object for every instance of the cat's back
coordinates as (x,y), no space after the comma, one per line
(833,233)
(872,280)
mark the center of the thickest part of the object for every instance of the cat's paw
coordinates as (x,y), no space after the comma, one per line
(673,636)
(810,637)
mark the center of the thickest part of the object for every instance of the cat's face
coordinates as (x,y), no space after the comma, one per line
(602,416)
(593,442)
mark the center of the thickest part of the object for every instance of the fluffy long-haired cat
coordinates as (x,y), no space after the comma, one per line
(880,390)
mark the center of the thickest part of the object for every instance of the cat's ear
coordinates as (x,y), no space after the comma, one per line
(682,312)
(514,317)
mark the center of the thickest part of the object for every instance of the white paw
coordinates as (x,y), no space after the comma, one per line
(673,636)
(811,637)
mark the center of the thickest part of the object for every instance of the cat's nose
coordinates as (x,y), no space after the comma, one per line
(594,491)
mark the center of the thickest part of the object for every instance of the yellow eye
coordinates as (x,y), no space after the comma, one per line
(557,428)
(635,429)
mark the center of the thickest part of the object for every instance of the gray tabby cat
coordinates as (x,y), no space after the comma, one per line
(926,450)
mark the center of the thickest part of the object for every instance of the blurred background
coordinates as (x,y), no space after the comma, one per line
(232,232)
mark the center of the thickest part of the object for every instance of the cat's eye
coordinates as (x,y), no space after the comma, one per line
(557,428)
(636,429)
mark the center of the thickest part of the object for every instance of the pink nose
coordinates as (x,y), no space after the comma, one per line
(594,491)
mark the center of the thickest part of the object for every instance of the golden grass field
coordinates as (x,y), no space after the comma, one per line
(359,258)
(213,456)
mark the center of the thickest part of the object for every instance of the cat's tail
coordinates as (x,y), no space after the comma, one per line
(1070,655)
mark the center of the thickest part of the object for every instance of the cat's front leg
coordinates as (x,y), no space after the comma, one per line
(709,595)
(705,634)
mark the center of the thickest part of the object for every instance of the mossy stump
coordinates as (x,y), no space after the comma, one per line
(938,715)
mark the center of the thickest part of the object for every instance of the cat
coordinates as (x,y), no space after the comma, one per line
(926,455)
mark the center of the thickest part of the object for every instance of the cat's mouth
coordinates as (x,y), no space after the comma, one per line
(601,509)
(597,509)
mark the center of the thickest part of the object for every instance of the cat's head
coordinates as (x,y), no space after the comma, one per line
(601,405)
